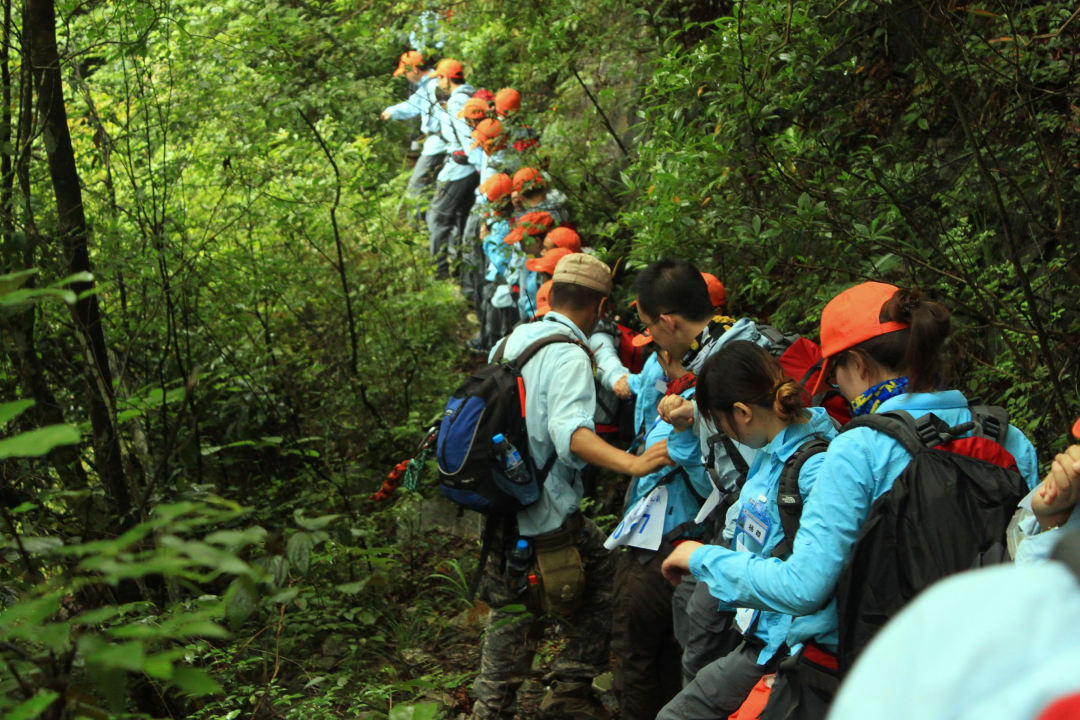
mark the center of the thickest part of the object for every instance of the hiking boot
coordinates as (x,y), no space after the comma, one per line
(572,701)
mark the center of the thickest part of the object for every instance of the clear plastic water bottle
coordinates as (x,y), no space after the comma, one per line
(513,466)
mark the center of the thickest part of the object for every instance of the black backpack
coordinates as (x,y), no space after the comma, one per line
(491,402)
(947,512)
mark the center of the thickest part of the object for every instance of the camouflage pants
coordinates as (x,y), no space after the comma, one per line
(509,644)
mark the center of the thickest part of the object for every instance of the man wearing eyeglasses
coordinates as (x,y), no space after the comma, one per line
(679,313)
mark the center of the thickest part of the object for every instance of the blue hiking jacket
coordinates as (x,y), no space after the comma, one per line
(860,466)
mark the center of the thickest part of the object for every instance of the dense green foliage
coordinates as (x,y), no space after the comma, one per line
(275,340)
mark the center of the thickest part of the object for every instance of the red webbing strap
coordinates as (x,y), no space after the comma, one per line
(819,657)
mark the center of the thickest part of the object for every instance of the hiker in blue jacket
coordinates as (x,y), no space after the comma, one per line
(458,178)
(995,660)
(882,348)
(423,104)
(745,390)
(679,313)
(647,656)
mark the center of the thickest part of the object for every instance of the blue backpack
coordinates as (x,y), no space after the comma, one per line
(491,402)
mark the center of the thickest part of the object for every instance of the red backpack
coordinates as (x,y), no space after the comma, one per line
(802,361)
(633,358)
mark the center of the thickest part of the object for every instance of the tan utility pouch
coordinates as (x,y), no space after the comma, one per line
(562,574)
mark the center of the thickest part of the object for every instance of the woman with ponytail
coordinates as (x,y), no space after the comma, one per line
(883,350)
(744,389)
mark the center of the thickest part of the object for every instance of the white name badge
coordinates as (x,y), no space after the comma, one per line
(661,386)
(710,504)
(744,618)
(643,525)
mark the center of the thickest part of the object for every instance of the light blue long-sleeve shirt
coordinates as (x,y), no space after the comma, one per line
(996,644)
(685,495)
(643,385)
(1036,544)
(859,467)
(456,133)
(528,285)
(560,399)
(496,251)
(422,104)
(763,480)
(609,369)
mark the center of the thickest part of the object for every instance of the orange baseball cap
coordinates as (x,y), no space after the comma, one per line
(717,293)
(642,340)
(475,109)
(449,68)
(564,237)
(534,223)
(486,133)
(507,100)
(543,299)
(409,61)
(497,187)
(546,263)
(528,178)
(853,317)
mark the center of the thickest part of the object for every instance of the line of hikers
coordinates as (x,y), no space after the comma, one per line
(787,500)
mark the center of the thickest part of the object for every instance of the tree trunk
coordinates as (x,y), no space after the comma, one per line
(40,34)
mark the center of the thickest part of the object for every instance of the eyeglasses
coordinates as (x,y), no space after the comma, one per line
(649,325)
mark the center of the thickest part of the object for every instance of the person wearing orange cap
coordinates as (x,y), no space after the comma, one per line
(458,178)
(531,193)
(527,238)
(999,643)
(420,104)
(544,266)
(507,102)
(501,313)
(559,406)
(474,111)
(508,107)
(883,350)
(564,238)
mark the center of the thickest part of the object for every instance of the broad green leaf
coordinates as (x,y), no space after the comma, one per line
(33,707)
(194,681)
(11,410)
(36,443)
(242,599)
(40,545)
(14,281)
(313,524)
(298,550)
(419,711)
(77,277)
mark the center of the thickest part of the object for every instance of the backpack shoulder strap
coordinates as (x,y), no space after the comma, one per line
(500,350)
(788,498)
(1067,551)
(529,352)
(897,424)
(993,420)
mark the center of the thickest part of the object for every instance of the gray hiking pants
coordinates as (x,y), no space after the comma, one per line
(704,632)
(446,220)
(720,688)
